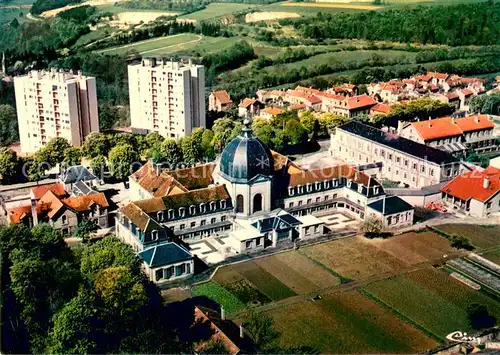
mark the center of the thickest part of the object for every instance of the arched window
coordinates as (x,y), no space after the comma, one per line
(257,203)
(239,204)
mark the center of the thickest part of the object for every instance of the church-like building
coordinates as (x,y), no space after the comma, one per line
(251,198)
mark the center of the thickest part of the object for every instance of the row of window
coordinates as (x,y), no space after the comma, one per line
(310,200)
(202,223)
(192,210)
(176,271)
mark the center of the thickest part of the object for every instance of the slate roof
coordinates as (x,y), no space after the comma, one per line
(164,254)
(276,223)
(398,143)
(393,204)
(76,173)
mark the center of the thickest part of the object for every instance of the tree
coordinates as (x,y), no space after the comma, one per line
(479,316)
(214,347)
(9,132)
(372,227)
(191,150)
(8,165)
(76,327)
(171,152)
(72,156)
(259,327)
(122,161)
(108,252)
(84,228)
(97,144)
(295,132)
(98,165)
(205,139)
(310,123)
(328,122)
(225,130)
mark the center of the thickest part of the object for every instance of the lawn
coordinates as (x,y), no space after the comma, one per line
(482,237)
(311,9)
(114,9)
(493,255)
(431,299)
(94,35)
(8,14)
(219,294)
(347,322)
(215,9)
(152,45)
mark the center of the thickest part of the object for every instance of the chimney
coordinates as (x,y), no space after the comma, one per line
(242,335)
(486,182)
(34,215)
(453,120)
(476,119)
(222,313)
(430,124)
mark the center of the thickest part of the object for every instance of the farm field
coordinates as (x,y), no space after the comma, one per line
(219,294)
(482,237)
(493,255)
(155,44)
(432,299)
(359,258)
(202,47)
(347,322)
(311,9)
(215,9)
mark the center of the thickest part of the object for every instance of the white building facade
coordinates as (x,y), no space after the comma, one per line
(53,104)
(166,97)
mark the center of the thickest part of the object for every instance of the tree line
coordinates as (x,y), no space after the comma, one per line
(457,25)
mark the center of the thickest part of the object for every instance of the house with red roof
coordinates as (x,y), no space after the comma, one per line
(249,108)
(219,101)
(475,193)
(270,112)
(455,135)
(380,110)
(52,204)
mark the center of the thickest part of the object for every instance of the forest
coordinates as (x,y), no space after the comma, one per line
(458,25)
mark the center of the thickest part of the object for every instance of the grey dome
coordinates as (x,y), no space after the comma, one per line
(245,157)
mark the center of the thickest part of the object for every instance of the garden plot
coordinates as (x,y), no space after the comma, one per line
(431,299)
(481,237)
(476,273)
(347,322)
(353,258)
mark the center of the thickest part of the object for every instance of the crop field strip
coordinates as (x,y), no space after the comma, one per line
(476,272)
(431,299)
(347,322)
(482,237)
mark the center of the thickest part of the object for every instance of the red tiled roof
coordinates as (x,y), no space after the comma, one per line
(309,91)
(467,92)
(381,108)
(272,111)
(196,177)
(297,107)
(158,185)
(447,127)
(311,99)
(17,214)
(438,75)
(201,319)
(222,96)
(360,101)
(331,96)
(452,95)
(471,185)
(474,123)
(85,202)
(247,102)
(39,191)
(310,176)
(50,204)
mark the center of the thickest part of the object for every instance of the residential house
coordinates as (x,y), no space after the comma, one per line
(270,112)
(476,193)
(455,135)
(249,108)
(167,262)
(219,101)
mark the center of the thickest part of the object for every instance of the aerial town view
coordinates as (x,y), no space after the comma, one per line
(250,177)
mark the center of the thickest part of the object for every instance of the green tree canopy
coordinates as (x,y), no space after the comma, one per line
(9,132)
(122,160)
(8,165)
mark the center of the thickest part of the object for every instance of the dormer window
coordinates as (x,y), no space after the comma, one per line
(376,190)
(182,211)
(154,235)
(222,204)
(360,188)
(160,215)
(171,214)
(192,209)
(326,184)
(349,183)
(317,185)
(202,207)
(301,189)
(291,191)
(309,187)
(212,205)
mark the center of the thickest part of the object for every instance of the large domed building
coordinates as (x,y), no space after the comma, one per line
(249,199)
(246,168)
